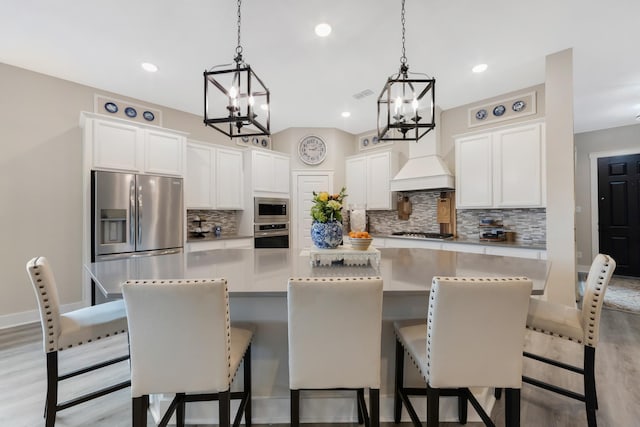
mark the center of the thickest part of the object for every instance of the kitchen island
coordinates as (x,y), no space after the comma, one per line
(257,280)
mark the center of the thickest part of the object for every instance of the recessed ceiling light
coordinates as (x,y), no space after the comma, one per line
(480,68)
(264,107)
(346,114)
(148,66)
(323,29)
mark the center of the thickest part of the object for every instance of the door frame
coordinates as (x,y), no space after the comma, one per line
(595,241)
(295,174)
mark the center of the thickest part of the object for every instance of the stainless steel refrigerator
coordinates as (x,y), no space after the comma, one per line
(135,214)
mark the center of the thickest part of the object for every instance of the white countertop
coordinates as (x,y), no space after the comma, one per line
(265,272)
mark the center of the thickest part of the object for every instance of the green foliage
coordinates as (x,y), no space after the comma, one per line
(327,207)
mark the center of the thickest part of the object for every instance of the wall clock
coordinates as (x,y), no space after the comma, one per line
(312,150)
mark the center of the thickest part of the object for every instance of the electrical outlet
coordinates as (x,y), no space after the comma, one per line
(579,254)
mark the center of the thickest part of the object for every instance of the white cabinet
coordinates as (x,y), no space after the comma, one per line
(391,242)
(367,180)
(114,144)
(501,169)
(270,172)
(214,178)
(515,252)
(463,247)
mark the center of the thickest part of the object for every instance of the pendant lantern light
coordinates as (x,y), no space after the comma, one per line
(236,101)
(406,105)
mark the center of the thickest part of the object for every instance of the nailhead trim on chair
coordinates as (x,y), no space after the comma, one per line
(231,375)
(332,279)
(595,311)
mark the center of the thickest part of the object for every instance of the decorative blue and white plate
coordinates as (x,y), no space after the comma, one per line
(481,114)
(518,106)
(255,140)
(111,107)
(244,138)
(130,112)
(375,140)
(148,116)
(264,142)
(365,142)
(499,110)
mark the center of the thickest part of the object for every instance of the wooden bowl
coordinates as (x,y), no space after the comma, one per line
(360,244)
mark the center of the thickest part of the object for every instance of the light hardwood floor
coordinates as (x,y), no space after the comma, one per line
(23,378)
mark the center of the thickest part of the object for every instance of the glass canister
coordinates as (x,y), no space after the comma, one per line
(358,217)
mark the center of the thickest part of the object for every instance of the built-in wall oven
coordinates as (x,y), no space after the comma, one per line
(271,222)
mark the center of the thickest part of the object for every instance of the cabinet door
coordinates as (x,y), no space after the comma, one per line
(378,177)
(518,167)
(199,178)
(474,180)
(115,146)
(262,171)
(163,152)
(356,181)
(229,179)
(280,174)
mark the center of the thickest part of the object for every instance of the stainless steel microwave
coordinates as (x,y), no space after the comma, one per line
(267,210)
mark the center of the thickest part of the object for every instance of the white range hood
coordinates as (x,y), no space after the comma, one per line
(423,173)
(425,169)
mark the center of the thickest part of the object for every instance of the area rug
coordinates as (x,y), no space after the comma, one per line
(623,294)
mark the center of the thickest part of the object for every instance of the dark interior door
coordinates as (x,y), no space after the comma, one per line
(619,211)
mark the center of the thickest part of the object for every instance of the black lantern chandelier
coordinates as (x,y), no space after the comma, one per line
(406,105)
(236,101)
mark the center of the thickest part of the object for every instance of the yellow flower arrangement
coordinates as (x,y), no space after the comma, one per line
(327,207)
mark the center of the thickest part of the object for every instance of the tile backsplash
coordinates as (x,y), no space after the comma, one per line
(529,224)
(228,220)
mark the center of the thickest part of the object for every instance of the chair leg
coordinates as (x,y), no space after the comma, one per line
(180,410)
(52,389)
(224,408)
(295,408)
(139,407)
(512,407)
(590,397)
(247,386)
(433,407)
(360,405)
(399,382)
(374,404)
(463,402)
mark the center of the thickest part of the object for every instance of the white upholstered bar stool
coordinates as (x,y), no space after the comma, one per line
(61,331)
(473,337)
(182,342)
(335,327)
(581,326)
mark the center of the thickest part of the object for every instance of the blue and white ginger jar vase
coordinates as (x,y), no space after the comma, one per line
(326,235)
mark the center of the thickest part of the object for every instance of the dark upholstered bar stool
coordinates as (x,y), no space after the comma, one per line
(335,327)
(62,331)
(182,342)
(473,337)
(581,326)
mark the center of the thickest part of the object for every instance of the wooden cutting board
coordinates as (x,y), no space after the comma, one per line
(444,211)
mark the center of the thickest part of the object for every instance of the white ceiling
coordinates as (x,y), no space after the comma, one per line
(312,80)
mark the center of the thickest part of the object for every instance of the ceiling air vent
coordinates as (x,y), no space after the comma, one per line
(363,94)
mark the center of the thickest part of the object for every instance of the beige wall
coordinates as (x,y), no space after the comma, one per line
(41,181)
(625,139)
(339,145)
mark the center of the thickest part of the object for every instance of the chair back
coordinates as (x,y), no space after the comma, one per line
(598,279)
(44,285)
(335,327)
(179,334)
(475,331)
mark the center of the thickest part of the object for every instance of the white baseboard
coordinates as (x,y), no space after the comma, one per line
(32,316)
(320,409)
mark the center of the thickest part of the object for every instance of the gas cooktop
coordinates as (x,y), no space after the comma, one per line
(420,235)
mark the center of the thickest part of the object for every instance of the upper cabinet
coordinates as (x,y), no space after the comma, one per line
(502,169)
(367,180)
(214,177)
(270,172)
(114,144)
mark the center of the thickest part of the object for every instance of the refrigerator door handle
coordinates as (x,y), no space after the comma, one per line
(140,215)
(132,213)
